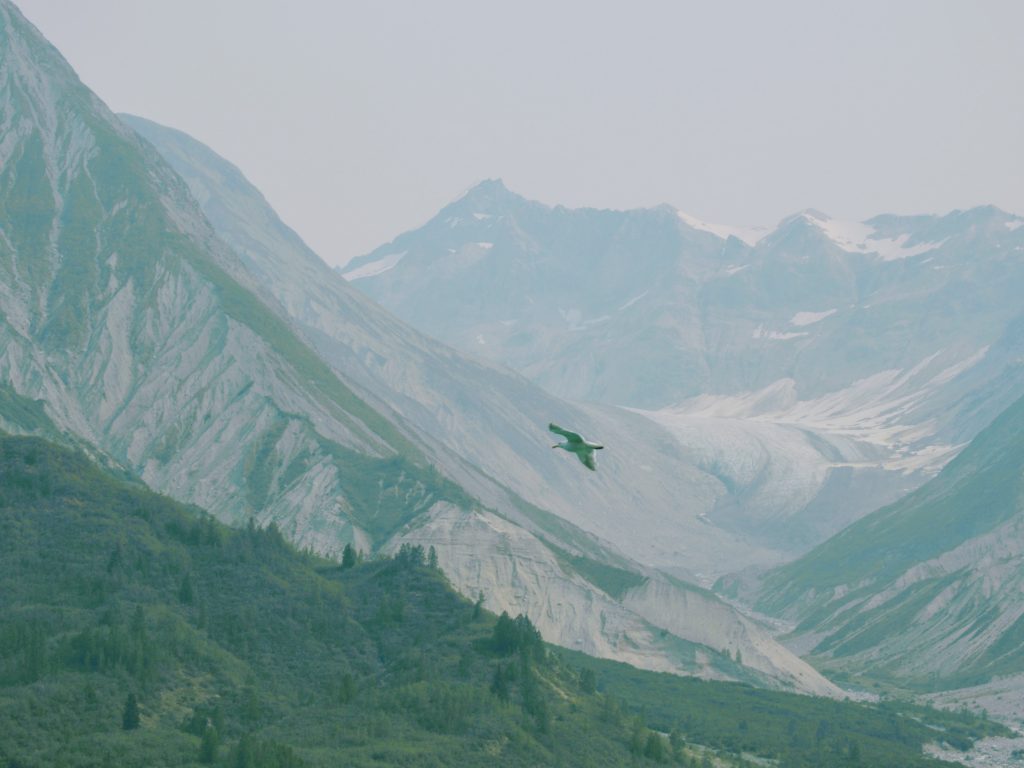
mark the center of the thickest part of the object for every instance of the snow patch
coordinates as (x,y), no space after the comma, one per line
(1017,224)
(761,333)
(874,411)
(801,319)
(858,237)
(374,268)
(481,216)
(633,301)
(574,319)
(749,235)
(485,246)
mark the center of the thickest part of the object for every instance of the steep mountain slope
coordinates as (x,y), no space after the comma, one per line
(928,590)
(136,327)
(237,650)
(817,371)
(523,558)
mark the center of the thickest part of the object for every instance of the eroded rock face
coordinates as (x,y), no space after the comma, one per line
(659,624)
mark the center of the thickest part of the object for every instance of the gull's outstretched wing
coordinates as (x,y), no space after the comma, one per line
(572,437)
(588,460)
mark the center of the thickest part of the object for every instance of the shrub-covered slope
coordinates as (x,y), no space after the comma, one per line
(135,631)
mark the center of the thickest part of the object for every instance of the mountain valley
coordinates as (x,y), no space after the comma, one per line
(256,510)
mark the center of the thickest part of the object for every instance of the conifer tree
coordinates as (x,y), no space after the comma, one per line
(185,592)
(208,746)
(348,557)
(130,719)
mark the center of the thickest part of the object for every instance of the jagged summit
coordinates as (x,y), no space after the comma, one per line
(489,197)
(493,187)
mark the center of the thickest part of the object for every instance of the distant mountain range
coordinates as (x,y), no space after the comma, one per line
(815,371)
(650,308)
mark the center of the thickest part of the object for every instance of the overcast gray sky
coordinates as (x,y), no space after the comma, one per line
(359,120)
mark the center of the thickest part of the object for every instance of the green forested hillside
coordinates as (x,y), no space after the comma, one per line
(135,631)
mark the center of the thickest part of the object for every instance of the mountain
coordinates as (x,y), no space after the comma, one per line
(650,307)
(135,631)
(816,371)
(132,327)
(484,427)
(926,591)
(141,334)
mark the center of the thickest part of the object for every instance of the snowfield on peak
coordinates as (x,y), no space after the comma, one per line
(750,235)
(860,237)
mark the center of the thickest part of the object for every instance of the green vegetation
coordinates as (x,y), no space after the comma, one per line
(613,580)
(24,413)
(243,306)
(135,631)
(79,266)
(387,493)
(792,729)
(27,208)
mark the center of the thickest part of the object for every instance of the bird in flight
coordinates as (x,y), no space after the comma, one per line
(574,443)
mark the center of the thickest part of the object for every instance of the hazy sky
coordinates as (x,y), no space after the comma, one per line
(359,120)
